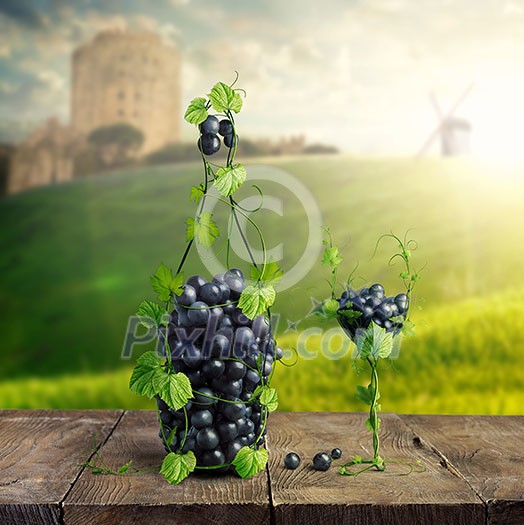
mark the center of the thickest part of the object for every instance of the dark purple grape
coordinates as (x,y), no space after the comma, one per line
(244,337)
(402,302)
(243,440)
(383,311)
(213,457)
(229,140)
(336,453)
(235,370)
(220,346)
(267,368)
(228,388)
(227,430)
(357,303)
(394,310)
(226,322)
(209,144)
(260,326)
(201,419)
(215,316)
(210,125)
(198,313)
(224,292)
(213,368)
(377,290)
(225,127)
(235,283)
(188,296)
(196,281)
(208,438)
(229,307)
(192,358)
(183,319)
(195,378)
(236,271)
(167,418)
(255,417)
(322,461)
(232,450)
(239,318)
(291,460)
(205,396)
(245,426)
(234,411)
(210,293)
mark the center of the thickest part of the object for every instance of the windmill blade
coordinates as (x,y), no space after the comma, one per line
(459,101)
(432,137)
(436,106)
(429,141)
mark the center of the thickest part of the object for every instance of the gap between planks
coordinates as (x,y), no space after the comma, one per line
(82,468)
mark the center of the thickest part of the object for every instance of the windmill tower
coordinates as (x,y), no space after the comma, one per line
(454,132)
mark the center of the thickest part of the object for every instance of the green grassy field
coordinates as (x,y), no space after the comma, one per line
(75,261)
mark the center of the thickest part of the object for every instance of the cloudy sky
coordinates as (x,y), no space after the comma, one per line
(357,74)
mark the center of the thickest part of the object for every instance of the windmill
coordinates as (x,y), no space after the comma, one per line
(454,132)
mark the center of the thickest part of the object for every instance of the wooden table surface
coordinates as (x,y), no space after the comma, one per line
(474,472)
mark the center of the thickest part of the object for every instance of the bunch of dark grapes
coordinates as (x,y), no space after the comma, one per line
(371,304)
(209,142)
(226,357)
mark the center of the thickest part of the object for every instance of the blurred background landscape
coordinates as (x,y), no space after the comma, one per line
(393,115)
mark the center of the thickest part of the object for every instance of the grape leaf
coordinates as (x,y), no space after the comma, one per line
(364,394)
(197,192)
(125,467)
(150,314)
(331,257)
(177,467)
(256,299)
(224,98)
(268,397)
(249,462)
(350,314)
(270,274)
(408,328)
(204,229)
(374,342)
(196,112)
(229,179)
(165,284)
(176,391)
(330,308)
(148,377)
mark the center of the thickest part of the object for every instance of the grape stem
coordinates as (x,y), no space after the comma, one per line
(373,415)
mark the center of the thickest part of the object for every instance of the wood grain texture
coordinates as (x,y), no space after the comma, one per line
(40,454)
(488,453)
(148,498)
(309,497)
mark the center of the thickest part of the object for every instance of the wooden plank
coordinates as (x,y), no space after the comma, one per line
(148,498)
(487,451)
(307,496)
(40,454)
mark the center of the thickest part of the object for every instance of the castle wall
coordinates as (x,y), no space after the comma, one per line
(45,157)
(124,76)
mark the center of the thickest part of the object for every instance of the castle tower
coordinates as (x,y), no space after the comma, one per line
(127,76)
